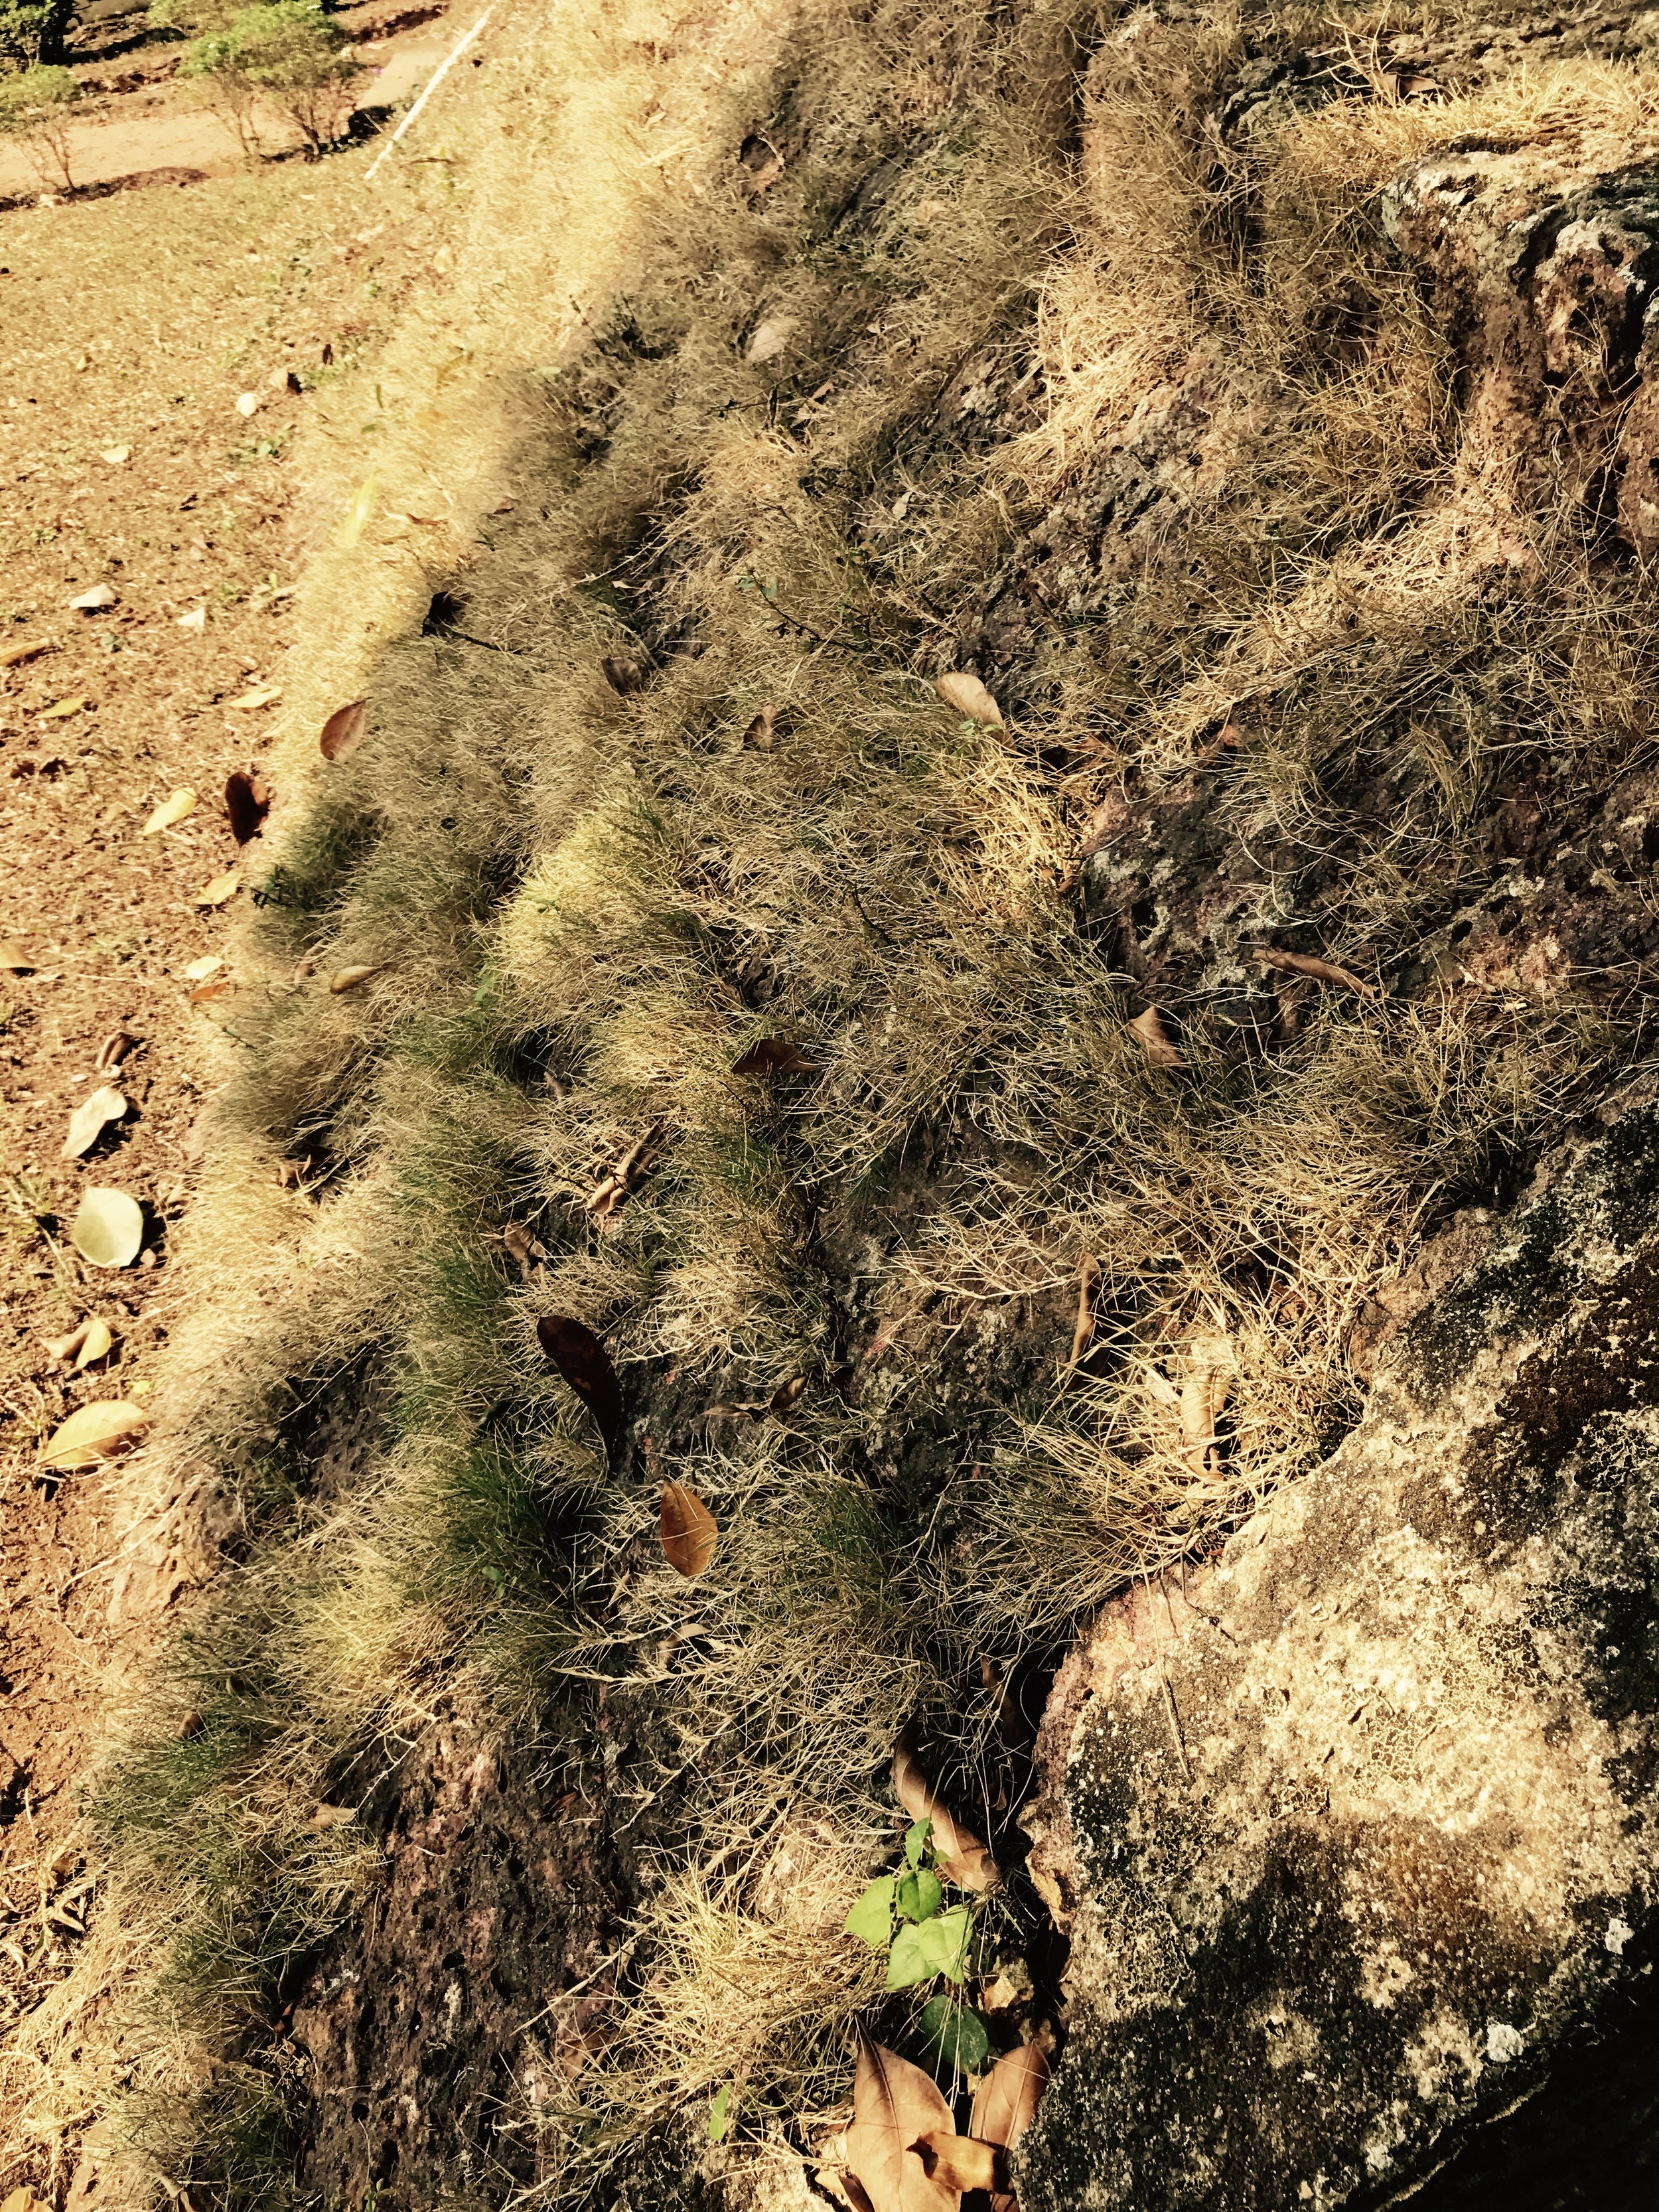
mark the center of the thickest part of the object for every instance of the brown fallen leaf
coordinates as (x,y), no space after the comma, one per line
(787,1394)
(894,2106)
(772,1056)
(247,802)
(1083,1330)
(1209,1368)
(586,1366)
(961,688)
(622,674)
(113,1051)
(840,2186)
(523,1244)
(95,1433)
(961,1856)
(762,733)
(201,993)
(13,656)
(602,1201)
(688,1530)
(1155,1039)
(342,732)
(89,1120)
(171,809)
(221,888)
(249,702)
(1324,971)
(1006,2102)
(14,957)
(962,2161)
(348,979)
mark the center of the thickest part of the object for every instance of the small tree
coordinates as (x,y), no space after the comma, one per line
(35,31)
(34,106)
(289,55)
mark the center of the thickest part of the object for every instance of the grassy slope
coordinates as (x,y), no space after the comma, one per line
(582,907)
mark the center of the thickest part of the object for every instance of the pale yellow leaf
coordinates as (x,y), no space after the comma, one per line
(208,965)
(89,1120)
(95,1433)
(108,1228)
(961,688)
(172,810)
(221,888)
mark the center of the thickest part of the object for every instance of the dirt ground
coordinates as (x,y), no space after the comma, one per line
(131,326)
(136,119)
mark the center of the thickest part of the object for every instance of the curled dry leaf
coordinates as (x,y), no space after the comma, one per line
(15,957)
(348,979)
(113,1051)
(92,1341)
(14,655)
(688,1530)
(1210,1366)
(762,730)
(97,1342)
(221,888)
(171,809)
(1083,1330)
(894,2106)
(89,1120)
(770,338)
(95,1433)
(108,1228)
(961,1857)
(787,1394)
(772,1056)
(1155,1039)
(962,2161)
(342,732)
(586,1366)
(603,1202)
(622,674)
(201,993)
(522,1243)
(961,688)
(247,802)
(1006,2101)
(1324,971)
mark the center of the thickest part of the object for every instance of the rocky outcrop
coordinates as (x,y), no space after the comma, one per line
(1356,1830)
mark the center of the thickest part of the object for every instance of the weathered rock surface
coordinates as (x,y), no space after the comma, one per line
(1356,1833)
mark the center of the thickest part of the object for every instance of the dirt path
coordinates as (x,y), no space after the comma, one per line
(132,325)
(159,126)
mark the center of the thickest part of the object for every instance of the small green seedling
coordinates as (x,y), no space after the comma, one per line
(720,2113)
(927,1940)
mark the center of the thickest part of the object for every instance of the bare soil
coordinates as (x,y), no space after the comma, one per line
(131,326)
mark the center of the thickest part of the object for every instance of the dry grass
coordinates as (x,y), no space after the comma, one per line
(587,906)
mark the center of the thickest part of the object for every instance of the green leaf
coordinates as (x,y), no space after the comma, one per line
(916,1840)
(717,2112)
(871,1917)
(920,1894)
(939,1946)
(955,2034)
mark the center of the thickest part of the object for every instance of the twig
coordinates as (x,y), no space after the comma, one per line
(439,75)
(1175,1723)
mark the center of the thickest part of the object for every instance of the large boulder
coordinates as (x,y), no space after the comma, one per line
(1354,1829)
